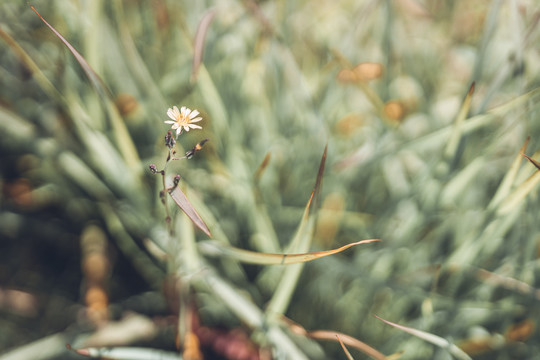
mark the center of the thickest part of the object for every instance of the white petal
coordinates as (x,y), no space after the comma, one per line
(193,126)
(175,113)
(169,122)
(193,114)
(170,113)
(195,120)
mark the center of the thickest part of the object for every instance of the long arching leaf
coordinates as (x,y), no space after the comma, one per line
(128,353)
(431,338)
(300,243)
(252,257)
(122,137)
(198,46)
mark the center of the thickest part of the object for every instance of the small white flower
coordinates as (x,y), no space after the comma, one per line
(183,119)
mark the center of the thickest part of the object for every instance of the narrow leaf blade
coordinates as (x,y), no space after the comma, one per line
(314,201)
(94,78)
(198,46)
(124,141)
(183,203)
(252,257)
(125,353)
(508,180)
(345,350)
(262,167)
(532,161)
(301,242)
(452,146)
(347,340)
(517,196)
(344,339)
(434,339)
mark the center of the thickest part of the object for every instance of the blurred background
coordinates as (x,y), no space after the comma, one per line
(418,157)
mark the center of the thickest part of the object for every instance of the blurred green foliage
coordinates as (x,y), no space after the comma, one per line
(459,246)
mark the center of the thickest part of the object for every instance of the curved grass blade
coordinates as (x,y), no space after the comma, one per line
(128,353)
(49,347)
(345,350)
(255,10)
(435,138)
(508,180)
(14,127)
(124,141)
(518,195)
(23,56)
(142,262)
(265,238)
(251,315)
(315,199)
(183,203)
(134,60)
(92,76)
(198,47)
(347,340)
(186,233)
(252,257)
(82,175)
(506,282)
(300,243)
(457,185)
(532,161)
(434,339)
(455,137)
(262,167)
(490,25)
(331,335)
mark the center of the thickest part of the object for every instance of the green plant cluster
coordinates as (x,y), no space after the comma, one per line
(423,111)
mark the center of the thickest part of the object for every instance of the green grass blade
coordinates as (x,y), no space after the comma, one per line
(41,79)
(434,339)
(434,139)
(517,196)
(301,241)
(79,172)
(123,139)
(251,315)
(506,184)
(128,353)
(198,46)
(252,257)
(455,137)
